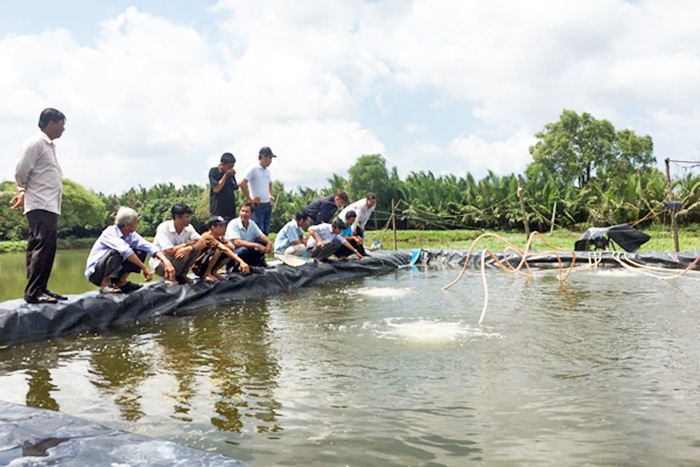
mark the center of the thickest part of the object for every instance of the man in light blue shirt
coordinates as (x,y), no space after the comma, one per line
(119,251)
(250,242)
(290,240)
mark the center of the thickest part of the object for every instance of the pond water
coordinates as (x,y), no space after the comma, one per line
(391,370)
(66,276)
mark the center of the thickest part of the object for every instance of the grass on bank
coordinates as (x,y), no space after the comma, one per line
(661,240)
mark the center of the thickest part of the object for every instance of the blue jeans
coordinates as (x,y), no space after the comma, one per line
(251,256)
(262,216)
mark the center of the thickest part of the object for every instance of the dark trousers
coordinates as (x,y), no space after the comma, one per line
(327,250)
(251,256)
(112,265)
(41,251)
(345,251)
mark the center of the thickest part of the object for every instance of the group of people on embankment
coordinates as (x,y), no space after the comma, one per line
(235,240)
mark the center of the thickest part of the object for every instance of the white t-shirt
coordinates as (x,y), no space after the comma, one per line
(325,234)
(259,180)
(167,237)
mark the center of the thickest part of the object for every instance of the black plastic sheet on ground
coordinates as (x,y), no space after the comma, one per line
(31,436)
(22,322)
(606,259)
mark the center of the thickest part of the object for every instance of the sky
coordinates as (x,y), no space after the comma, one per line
(155,92)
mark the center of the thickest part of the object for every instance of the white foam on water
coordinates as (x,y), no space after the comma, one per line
(428,330)
(617,272)
(384,292)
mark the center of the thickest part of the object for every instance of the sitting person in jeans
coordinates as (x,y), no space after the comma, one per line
(251,243)
(326,240)
(118,252)
(217,252)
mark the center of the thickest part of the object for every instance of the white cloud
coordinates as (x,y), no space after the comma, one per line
(150,100)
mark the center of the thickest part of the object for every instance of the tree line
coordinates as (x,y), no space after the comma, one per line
(593,174)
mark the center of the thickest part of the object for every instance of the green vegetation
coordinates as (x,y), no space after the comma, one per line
(583,170)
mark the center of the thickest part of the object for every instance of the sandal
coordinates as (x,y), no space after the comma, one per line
(55,295)
(110,289)
(42,299)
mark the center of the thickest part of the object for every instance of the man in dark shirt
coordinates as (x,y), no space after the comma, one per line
(323,209)
(222,188)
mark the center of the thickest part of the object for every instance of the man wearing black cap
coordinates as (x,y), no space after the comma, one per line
(222,188)
(257,188)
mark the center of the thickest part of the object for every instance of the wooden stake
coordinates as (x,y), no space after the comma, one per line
(393,221)
(674,224)
(522,207)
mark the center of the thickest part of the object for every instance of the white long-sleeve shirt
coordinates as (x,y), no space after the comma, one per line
(39,174)
(361,209)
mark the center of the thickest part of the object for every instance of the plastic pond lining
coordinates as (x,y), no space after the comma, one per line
(30,436)
(22,322)
(92,311)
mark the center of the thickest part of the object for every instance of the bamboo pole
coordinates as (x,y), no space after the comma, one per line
(393,222)
(554,214)
(674,224)
(522,206)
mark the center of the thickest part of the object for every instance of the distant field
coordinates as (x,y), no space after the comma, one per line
(661,240)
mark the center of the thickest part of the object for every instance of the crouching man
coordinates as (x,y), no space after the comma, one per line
(251,243)
(217,252)
(290,240)
(326,240)
(180,242)
(118,252)
(354,240)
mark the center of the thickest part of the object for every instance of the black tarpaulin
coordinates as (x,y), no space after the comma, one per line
(625,236)
(548,260)
(33,437)
(22,322)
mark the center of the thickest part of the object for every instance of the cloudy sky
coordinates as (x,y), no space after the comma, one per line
(156,91)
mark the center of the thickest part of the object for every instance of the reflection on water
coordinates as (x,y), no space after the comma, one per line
(391,370)
(66,276)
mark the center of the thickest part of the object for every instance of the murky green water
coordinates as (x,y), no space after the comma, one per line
(391,370)
(66,276)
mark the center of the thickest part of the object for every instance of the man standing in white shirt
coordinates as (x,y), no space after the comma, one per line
(40,186)
(257,188)
(180,243)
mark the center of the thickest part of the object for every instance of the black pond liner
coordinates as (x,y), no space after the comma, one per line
(92,311)
(30,436)
(606,258)
(22,322)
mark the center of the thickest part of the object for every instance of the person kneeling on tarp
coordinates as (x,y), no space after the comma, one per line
(118,252)
(180,242)
(290,239)
(250,242)
(217,252)
(326,240)
(347,234)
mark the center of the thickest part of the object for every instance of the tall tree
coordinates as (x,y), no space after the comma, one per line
(369,174)
(578,148)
